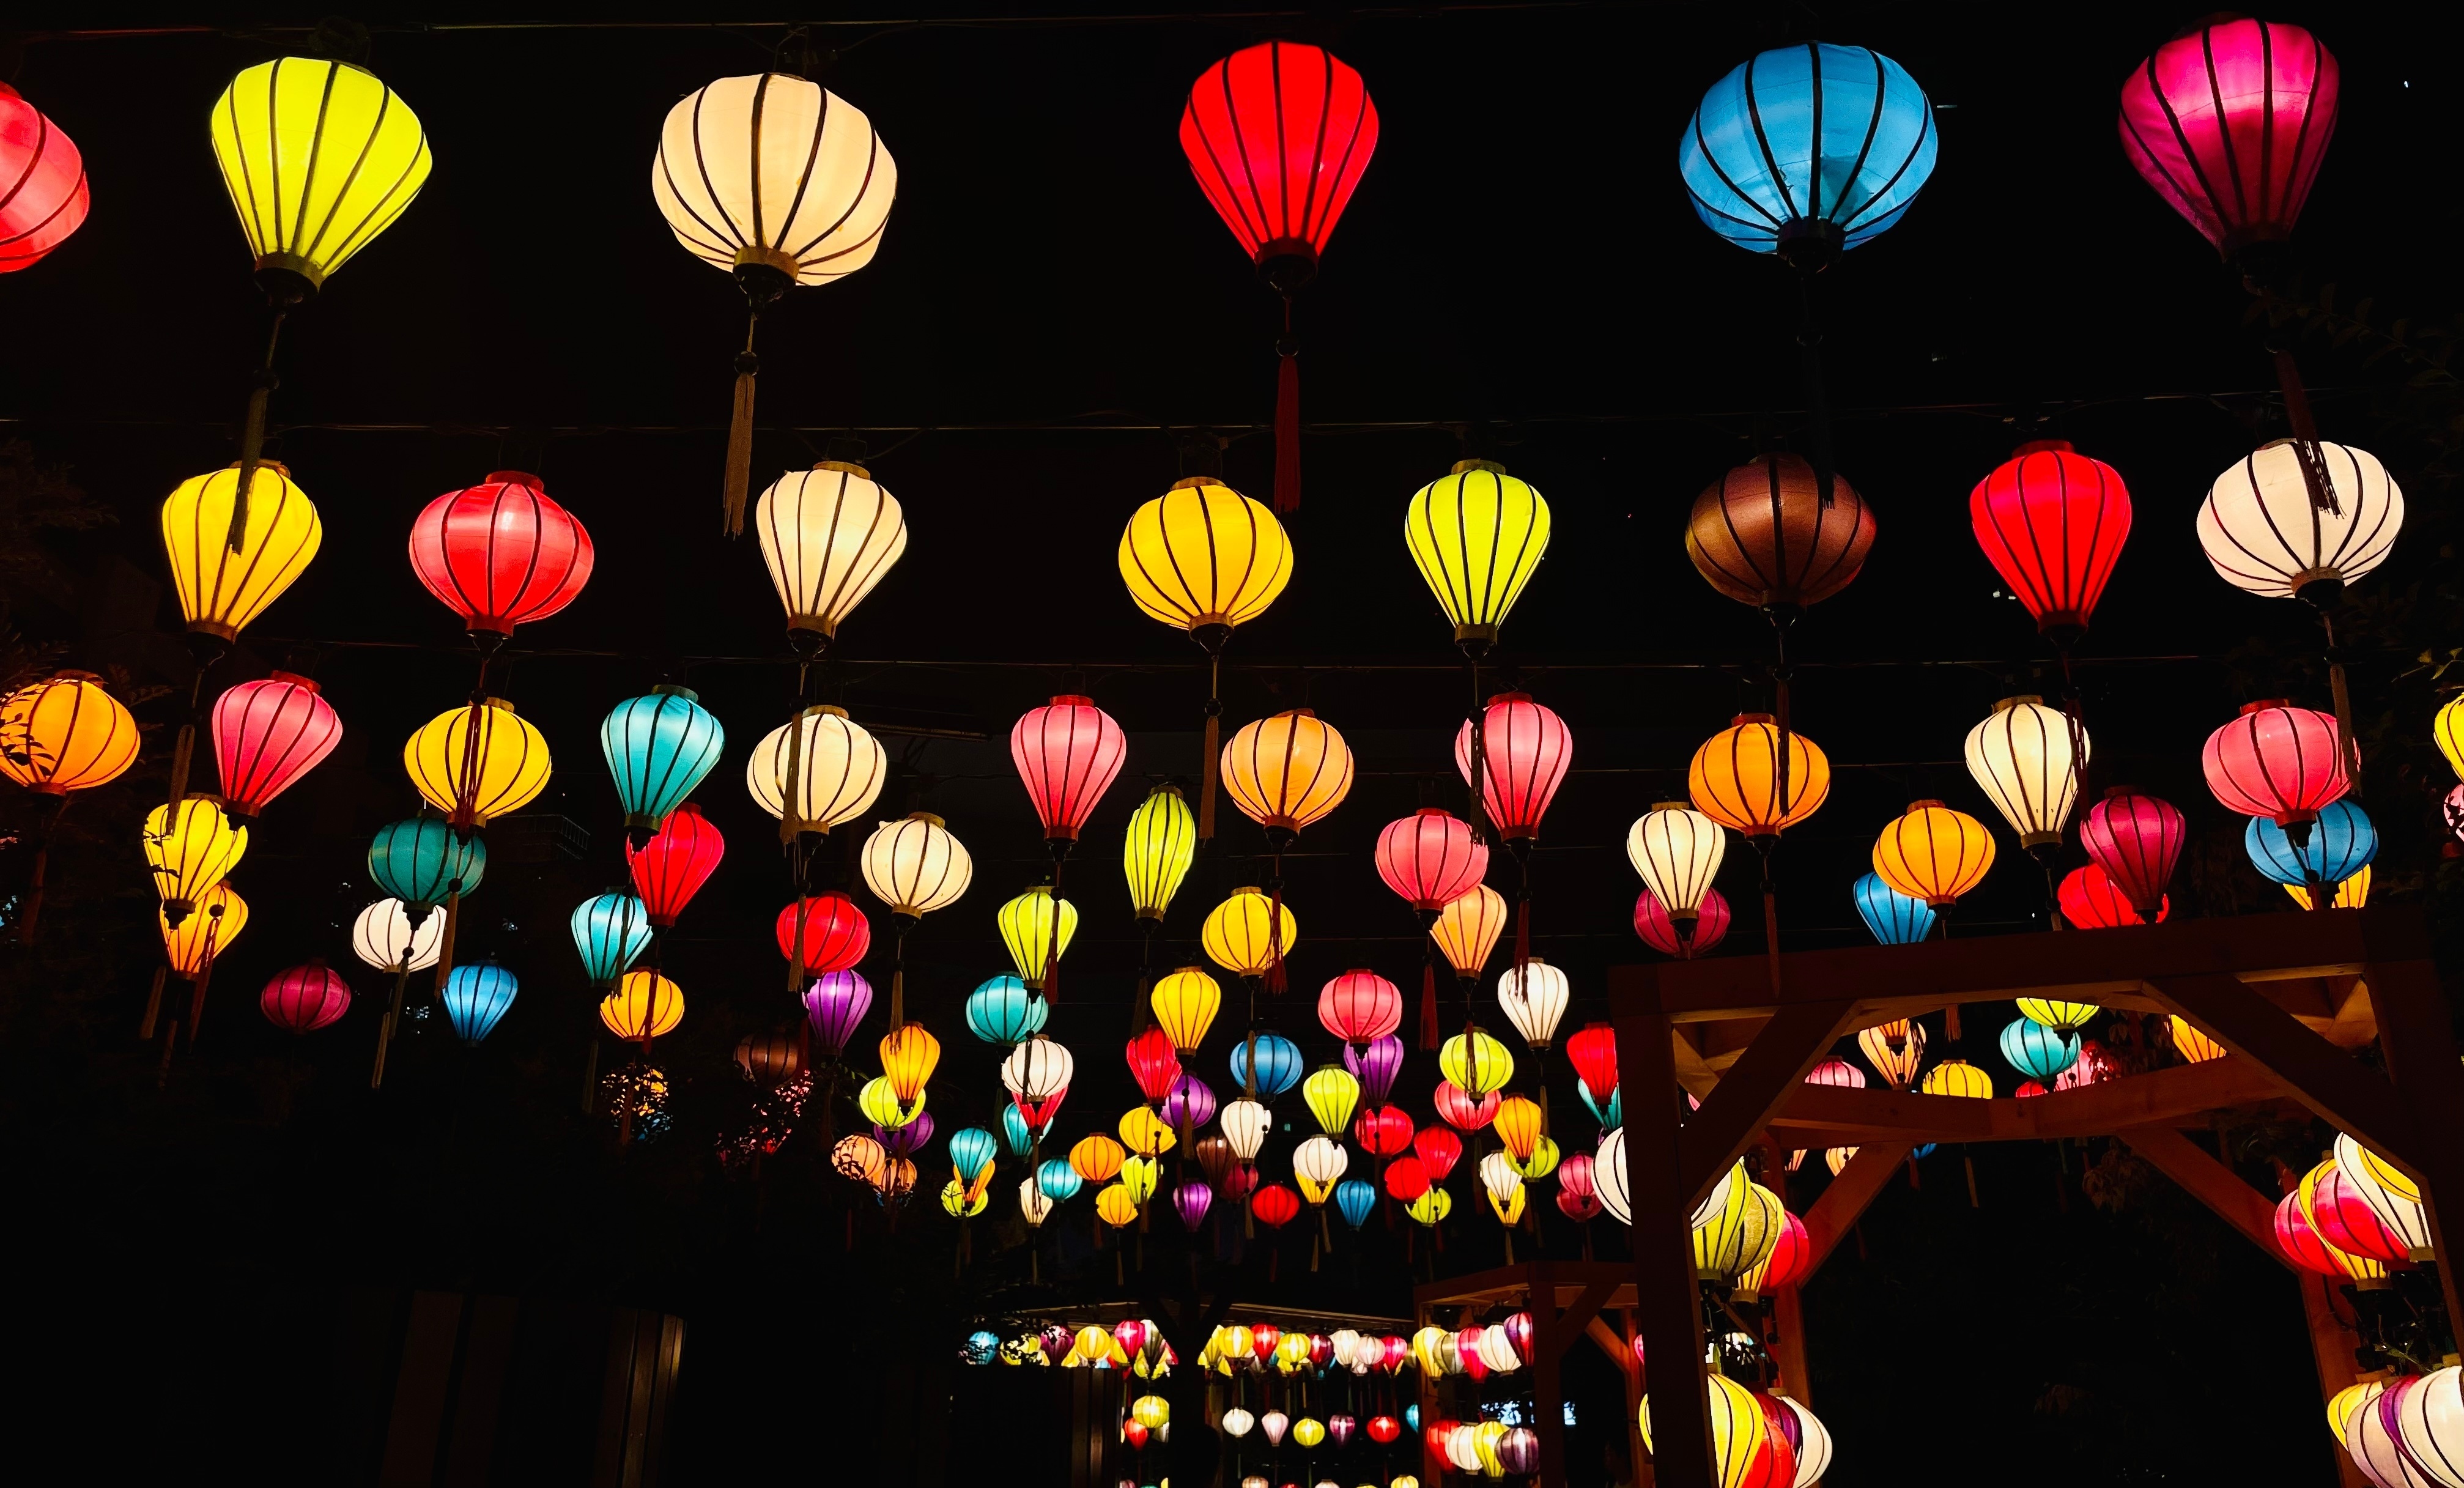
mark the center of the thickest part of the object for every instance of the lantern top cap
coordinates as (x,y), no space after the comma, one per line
(292,678)
(2248,709)
(1433,811)
(2042,447)
(497,703)
(1036,888)
(1187,970)
(1672,805)
(1927,804)
(2005,705)
(515,478)
(2115,792)
(276,466)
(832,709)
(926,818)
(1072,700)
(1490,466)
(1359,971)
(1165,788)
(1743,719)
(848,466)
(1495,698)
(674,690)
(1245,889)
(1193,482)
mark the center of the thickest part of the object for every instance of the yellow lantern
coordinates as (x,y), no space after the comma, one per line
(1837,1158)
(2061,1017)
(1309,1431)
(1741,1234)
(881,1106)
(1186,1004)
(1467,927)
(220,916)
(2023,757)
(959,1203)
(2193,1045)
(1093,1341)
(1116,1205)
(828,536)
(1286,772)
(319,158)
(1204,558)
(816,772)
(1155,855)
(511,757)
(222,587)
(1934,853)
(1236,934)
(1517,1123)
(190,847)
(1543,1160)
(1331,1092)
(1098,1157)
(1426,1355)
(64,734)
(644,1006)
(859,1157)
(1510,1209)
(1144,1132)
(1150,1412)
(1478,534)
(1896,1050)
(1739,1428)
(1037,928)
(2350,894)
(909,1054)
(1959,1077)
(1431,1208)
(1138,1176)
(1476,1064)
(1734,777)
(2447,730)
(2347,1404)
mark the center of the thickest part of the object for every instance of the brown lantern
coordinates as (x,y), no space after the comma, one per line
(1766,534)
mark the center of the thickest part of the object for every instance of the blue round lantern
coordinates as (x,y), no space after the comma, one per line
(1003,1011)
(980,1347)
(972,1150)
(658,747)
(1015,1132)
(420,861)
(1059,1181)
(1610,1114)
(1808,151)
(1278,1064)
(2343,841)
(1356,1198)
(475,999)
(610,931)
(1894,918)
(2034,1049)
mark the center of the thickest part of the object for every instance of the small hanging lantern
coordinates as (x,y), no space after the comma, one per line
(1735,778)
(1037,1072)
(474,780)
(2028,759)
(823,932)
(1377,1063)
(190,847)
(305,999)
(476,997)
(908,1056)
(1478,535)
(1185,1003)
(387,937)
(915,866)
(66,733)
(834,1006)
(1534,996)
(2341,844)
(1275,1059)
(2052,521)
(190,947)
(2230,121)
(2090,900)
(1895,918)
(1037,927)
(1709,926)
(1527,749)
(229,559)
(500,554)
(423,862)
(670,868)
(2034,1049)
(1067,755)
(2278,761)
(1331,1094)
(1476,1065)
(1593,1051)
(46,198)
(2266,533)
(1467,929)
(1438,1149)
(1765,535)
(644,1006)
(1959,1077)
(2351,893)
(1250,932)
(610,931)
(1286,772)
(1360,1007)
(1155,1063)
(658,747)
(319,158)
(828,536)
(1158,850)
(1934,853)
(818,772)
(2135,839)
(267,735)
(1431,859)
(1002,1010)
(1677,850)
(1896,1050)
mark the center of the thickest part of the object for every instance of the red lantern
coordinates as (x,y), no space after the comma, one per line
(267,735)
(2276,761)
(43,195)
(836,934)
(1154,1062)
(2137,840)
(1594,1054)
(1406,1179)
(2028,1089)
(1384,1429)
(1068,752)
(1788,1258)
(1275,1206)
(2229,122)
(1039,1114)
(1264,1336)
(1383,1130)
(2344,1220)
(1526,748)
(1395,1350)
(1239,1182)
(1131,1333)
(1651,922)
(1467,1350)
(1459,1109)
(1438,1149)
(2091,900)
(676,862)
(1775,1461)
(1431,859)
(1580,1208)
(305,997)
(2301,1244)
(2053,522)
(500,554)
(1360,1007)
(1135,1435)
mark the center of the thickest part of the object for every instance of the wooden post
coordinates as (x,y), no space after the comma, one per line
(1787,1326)
(1548,1388)
(1665,1300)
(2331,1345)
(2420,1051)
(1617,1343)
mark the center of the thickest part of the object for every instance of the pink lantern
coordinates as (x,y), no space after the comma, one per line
(1836,1072)
(43,195)
(1651,922)
(2229,121)
(1526,748)
(305,997)
(2276,761)
(267,735)
(1431,859)
(1360,1007)
(1068,752)
(2135,839)
(1460,1111)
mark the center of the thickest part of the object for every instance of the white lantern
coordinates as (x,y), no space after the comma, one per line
(1345,1340)
(1608,1181)
(1812,1443)
(1237,1423)
(824,763)
(2023,759)
(1497,1350)
(2393,1198)
(1534,999)
(1498,1176)
(384,937)
(828,535)
(1245,1123)
(1319,1163)
(1677,850)
(915,867)
(1273,1423)
(1038,1069)
(2265,533)
(2382,1458)
(2430,1422)
(1032,1201)
(1463,1448)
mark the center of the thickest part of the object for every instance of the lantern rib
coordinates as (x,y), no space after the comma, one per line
(805,180)
(314,246)
(1249,170)
(33,160)
(1762,138)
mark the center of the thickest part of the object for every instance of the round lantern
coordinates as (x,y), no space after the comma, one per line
(267,735)
(1438,1149)
(1518,1123)
(1116,1206)
(1895,918)
(2346,1403)
(2340,843)
(2090,900)
(2266,533)
(1959,1077)
(1677,850)
(878,1101)
(773,1059)
(1431,859)
(1467,927)
(1406,1179)
(1038,1070)
(386,936)
(2276,761)
(610,931)
(475,764)
(305,999)
(1383,1130)
(2390,1195)
(670,868)
(915,866)
(2028,759)
(1145,1133)
(2430,1422)
(1318,1163)
(2034,1049)
(1037,928)
(46,198)
(1765,535)
(2052,522)
(1458,1107)
(1067,754)
(2135,839)
(1097,1158)
(1245,1123)
(1378,1064)
(2229,121)
(1185,1003)
(1192,1201)
(644,1006)
(319,158)
(1710,925)
(1158,850)
(2063,1016)
(1360,1007)
(1002,1010)
(1248,933)
(1525,749)
(1807,151)
(1934,853)
(823,932)
(1734,777)
(1476,1064)
(1330,1093)
(476,996)
(423,862)
(1477,535)
(828,536)
(1534,996)
(1431,1208)
(67,734)
(909,1054)
(658,746)
(1057,1180)
(858,1157)
(2299,1242)
(1286,772)
(1275,1206)
(1836,1072)
(1741,1234)
(189,848)
(2335,1209)
(817,772)
(222,586)
(1276,1058)
(500,554)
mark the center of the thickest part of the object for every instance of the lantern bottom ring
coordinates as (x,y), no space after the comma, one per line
(289,279)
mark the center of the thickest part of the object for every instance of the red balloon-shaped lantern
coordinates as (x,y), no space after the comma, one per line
(2276,761)
(1580,1208)
(1651,922)
(267,735)
(1438,1149)
(500,554)
(1360,1007)
(2052,521)
(1788,1258)
(1262,1339)
(1775,1461)
(1384,1429)
(1239,1182)
(1134,1433)
(1526,748)
(2135,839)
(1067,754)
(1154,1062)
(1594,1052)
(676,862)
(1407,1178)
(1461,1110)
(2228,122)
(305,997)
(1383,1130)
(2344,1220)
(1275,1206)
(2301,1244)
(1431,859)
(43,195)
(2091,900)
(836,932)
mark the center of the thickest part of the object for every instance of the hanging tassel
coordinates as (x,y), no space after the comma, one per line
(1287,417)
(2348,745)
(1971,1164)
(1523,927)
(740,430)
(898,982)
(182,753)
(445,945)
(153,1004)
(1950,1022)
(1212,749)
(391,1020)
(1428,1007)
(197,999)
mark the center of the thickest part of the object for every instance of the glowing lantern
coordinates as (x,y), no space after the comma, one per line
(2034,1049)
(319,158)
(223,584)
(1431,1208)
(2267,531)
(1478,534)
(2229,121)
(1741,1234)
(2053,522)
(670,868)
(644,1006)
(1498,1176)
(1189,1104)
(475,764)
(1245,1123)
(1476,1064)
(2090,900)
(383,935)
(1317,1166)
(423,863)
(1116,1206)
(1807,151)
(1406,1179)
(1534,996)
(1275,1059)
(971,1154)
(1895,1049)
(961,1203)
(2390,1195)
(190,847)
(909,1053)
(1785,1264)
(1933,853)
(1460,1109)
(2135,839)
(828,536)
(67,734)
(1360,1007)
(1438,1149)
(1766,534)
(1330,1094)
(834,1005)
(817,772)
(658,746)
(1836,1072)
(2195,1046)
(267,735)
(1158,850)
(1067,754)
(2277,761)
(1286,772)
(1518,1123)
(1593,1051)
(1837,1158)
(2301,1244)
(2428,1418)
(1378,1064)
(1383,1130)
(1275,1206)
(1960,1078)
(1038,1070)
(1895,918)
(1248,933)
(879,1102)
(1191,1202)
(1525,749)
(1431,858)
(1467,927)
(1145,1134)
(1733,778)
(1740,1433)
(2351,893)
(305,999)
(610,931)
(476,997)
(1097,1158)
(915,867)
(2028,757)
(1710,925)
(500,554)
(2062,1017)
(2340,843)
(2344,1219)
(2347,1404)
(1037,928)
(824,932)
(1677,850)
(47,197)
(1186,1004)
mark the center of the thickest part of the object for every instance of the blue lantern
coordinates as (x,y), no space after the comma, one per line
(420,861)
(2034,1049)
(980,1347)
(658,747)
(1356,1200)
(1894,918)
(1925,1150)
(1014,1131)
(2343,841)
(1808,150)
(972,1150)
(1003,1011)
(1611,1114)
(1411,1415)
(476,996)
(1059,1181)
(610,931)
(1278,1064)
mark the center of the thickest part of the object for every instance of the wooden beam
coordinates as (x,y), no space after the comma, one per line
(1661,1237)
(2419,1043)
(1788,1329)
(2331,1349)
(1837,1211)
(1773,1065)
(1620,1351)
(1840,1116)
(2212,1182)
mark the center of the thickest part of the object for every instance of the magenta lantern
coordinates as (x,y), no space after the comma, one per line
(305,997)
(2228,122)
(267,735)
(1651,922)
(1192,1200)
(2137,839)
(1525,749)
(2276,761)
(43,194)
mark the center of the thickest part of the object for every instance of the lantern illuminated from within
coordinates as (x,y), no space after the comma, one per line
(1740,1433)
(2391,1194)
(1286,772)
(1037,928)
(658,746)
(1275,1059)
(1318,1163)
(1734,777)
(1248,933)
(1525,749)
(1895,918)
(1185,1003)
(267,735)
(1895,1049)
(1278,135)
(1360,1007)
(2193,1045)
(1001,1011)
(473,783)
(1677,850)
(2034,1049)
(909,1055)
(828,536)
(1741,1234)
(1204,558)
(500,554)
(2339,844)
(220,915)
(223,585)
(423,862)
(670,868)
(190,847)
(47,196)
(1933,853)
(385,937)
(1959,1077)
(1431,859)
(319,158)
(1806,151)
(1067,755)
(915,867)
(1534,996)
(1245,1123)
(1158,850)
(2135,839)
(2276,761)
(305,999)
(1766,534)
(2230,121)
(2052,521)
(817,772)
(2023,757)
(1330,1093)
(477,999)
(2266,533)
(1476,1064)
(610,931)
(2062,1017)
(1478,534)
(1467,927)
(66,734)
(644,1006)
(1038,1070)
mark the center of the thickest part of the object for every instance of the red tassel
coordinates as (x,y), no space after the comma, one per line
(1429,1007)
(1287,434)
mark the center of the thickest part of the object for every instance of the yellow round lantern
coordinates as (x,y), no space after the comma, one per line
(1331,1092)
(1150,1412)
(1204,558)
(909,1054)
(2061,1017)
(1739,1428)
(1286,772)
(2348,1403)
(1542,1162)
(1426,1355)
(1734,777)
(65,734)
(1037,928)
(1098,1157)
(1959,1077)
(1476,1064)
(1186,1004)
(880,1104)
(1155,855)
(2447,729)
(2351,893)
(1934,853)
(190,847)
(319,158)
(1144,1132)
(1466,929)
(644,1006)
(1116,1206)
(222,588)
(2193,1045)
(1477,535)
(1431,1208)
(1138,1177)
(221,914)
(959,1203)
(1235,935)
(1517,1124)
(511,759)
(1309,1431)
(1741,1234)
(1094,1342)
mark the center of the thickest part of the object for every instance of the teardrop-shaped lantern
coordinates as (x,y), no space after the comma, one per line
(2023,756)
(1478,534)
(47,197)
(670,868)
(659,747)
(1067,754)
(828,536)
(1527,750)
(267,735)
(1158,850)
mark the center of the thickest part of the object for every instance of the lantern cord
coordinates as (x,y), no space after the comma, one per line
(453,923)
(252,435)
(1428,983)
(1288,417)
(899,981)
(1763,847)
(2305,433)
(205,978)
(1818,392)
(2348,747)
(153,1004)
(393,1019)
(1208,764)
(28,924)
(1275,979)
(739,429)
(1477,777)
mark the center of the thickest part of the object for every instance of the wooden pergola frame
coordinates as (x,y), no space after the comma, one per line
(2288,996)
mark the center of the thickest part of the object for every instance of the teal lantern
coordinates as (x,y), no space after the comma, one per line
(476,996)
(1356,1198)
(1058,1180)
(972,1150)
(1894,918)
(420,861)
(1279,1063)
(1611,1113)
(2341,844)
(1014,1130)
(610,931)
(658,747)
(2034,1049)
(1002,1010)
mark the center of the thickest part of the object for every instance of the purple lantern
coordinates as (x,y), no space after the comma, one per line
(836,1003)
(1375,1068)
(1189,1104)
(1518,1450)
(1193,1200)
(907,1140)
(1339,1429)
(1518,1332)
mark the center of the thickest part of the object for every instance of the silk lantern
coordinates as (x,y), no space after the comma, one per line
(189,847)
(231,558)
(835,1004)
(1766,534)
(2229,121)
(190,948)
(2278,761)
(1360,1007)
(2340,843)
(1037,927)
(2034,1049)
(43,192)
(68,734)
(1377,1063)
(1477,535)
(1710,925)
(1896,1050)
(1525,751)
(2269,530)
(2090,899)
(610,931)
(829,537)
(1331,1093)
(267,735)
(1467,929)
(1318,1165)
(1157,852)
(2053,522)
(1154,1062)
(1933,853)
(2390,1195)
(305,999)
(2028,759)
(1735,778)
(1186,1004)
(1676,850)
(670,868)
(2135,839)
(422,861)
(500,554)
(823,932)
(1534,996)
(1248,933)
(1430,859)
(1067,755)
(1286,772)
(477,999)
(387,937)
(658,746)
(1476,1064)
(913,866)
(644,1006)
(1275,1059)
(477,763)
(817,772)
(1002,1010)
(1895,918)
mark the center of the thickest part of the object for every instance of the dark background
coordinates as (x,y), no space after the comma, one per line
(1056,308)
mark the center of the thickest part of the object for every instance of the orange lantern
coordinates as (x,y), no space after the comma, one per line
(1934,853)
